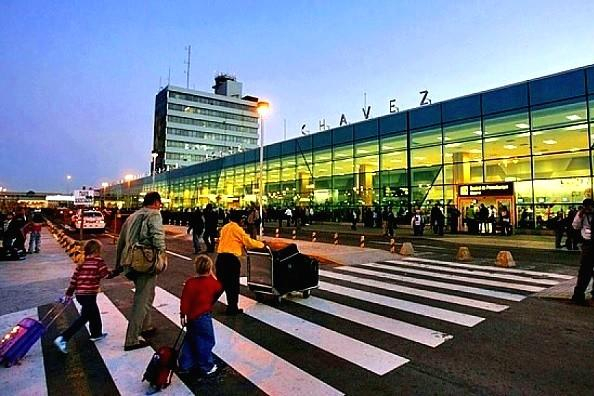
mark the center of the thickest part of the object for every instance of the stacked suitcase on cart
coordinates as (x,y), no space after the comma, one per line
(277,272)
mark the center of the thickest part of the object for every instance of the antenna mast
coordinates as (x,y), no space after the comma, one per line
(187,62)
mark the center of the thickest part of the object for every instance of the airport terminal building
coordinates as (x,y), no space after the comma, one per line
(527,146)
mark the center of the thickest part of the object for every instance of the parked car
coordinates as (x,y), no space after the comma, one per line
(93,220)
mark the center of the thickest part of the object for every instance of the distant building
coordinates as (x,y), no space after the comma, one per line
(193,126)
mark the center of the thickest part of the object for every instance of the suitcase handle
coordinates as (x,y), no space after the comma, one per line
(179,336)
(52,315)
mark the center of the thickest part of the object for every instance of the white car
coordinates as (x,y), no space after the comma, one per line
(93,220)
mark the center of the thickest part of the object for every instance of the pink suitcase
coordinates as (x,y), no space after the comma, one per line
(15,345)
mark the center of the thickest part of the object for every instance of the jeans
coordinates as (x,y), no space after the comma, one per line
(196,241)
(196,351)
(88,313)
(34,238)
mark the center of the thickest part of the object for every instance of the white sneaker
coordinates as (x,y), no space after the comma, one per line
(212,370)
(61,344)
(102,336)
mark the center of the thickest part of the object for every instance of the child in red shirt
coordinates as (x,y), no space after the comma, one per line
(198,296)
(85,282)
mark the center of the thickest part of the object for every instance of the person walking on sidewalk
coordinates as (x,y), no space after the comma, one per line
(453,215)
(583,222)
(437,220)
(571,242)
(144,227)
(253,222)
(85,283)
(417,223)
(14,232)
(198,296)
(232,243)
(558,225)
(211,222)
(505,220)
(196,226)
(34,228)
(391,220)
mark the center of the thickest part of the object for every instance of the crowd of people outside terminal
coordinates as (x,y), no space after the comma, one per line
(15,228)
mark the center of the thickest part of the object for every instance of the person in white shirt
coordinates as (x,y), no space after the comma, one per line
(583,222)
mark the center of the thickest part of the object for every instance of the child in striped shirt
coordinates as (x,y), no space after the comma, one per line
(85,283)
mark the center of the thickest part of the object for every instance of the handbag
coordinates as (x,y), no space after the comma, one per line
(147,259)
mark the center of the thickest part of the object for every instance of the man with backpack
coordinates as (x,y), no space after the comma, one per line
(141,233)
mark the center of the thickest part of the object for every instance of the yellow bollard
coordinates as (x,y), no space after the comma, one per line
(505,259)
(463,254)
(407,249)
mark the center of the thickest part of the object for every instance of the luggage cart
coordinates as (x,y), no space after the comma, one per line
(279,272)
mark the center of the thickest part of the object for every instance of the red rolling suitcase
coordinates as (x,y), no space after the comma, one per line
(15,345)
(160,369)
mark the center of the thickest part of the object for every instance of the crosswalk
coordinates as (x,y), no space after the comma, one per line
(414,303)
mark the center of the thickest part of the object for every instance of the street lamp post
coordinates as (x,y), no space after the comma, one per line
(68,178)
(154,155)
(263,108)
(104,186)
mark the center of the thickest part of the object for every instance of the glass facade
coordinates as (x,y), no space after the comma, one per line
(536,135)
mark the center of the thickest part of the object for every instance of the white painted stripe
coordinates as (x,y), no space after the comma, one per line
(492,268)
(442,285)
(395,327)
(267,371)
(483,282)
(356,352)
(179,255)
(28,377)
(472,272)
(487,306)
(446,315)
(126,368)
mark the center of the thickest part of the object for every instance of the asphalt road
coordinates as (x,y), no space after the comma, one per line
(535,347)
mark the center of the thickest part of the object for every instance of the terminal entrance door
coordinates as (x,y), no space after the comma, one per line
(498,195)
(497,202)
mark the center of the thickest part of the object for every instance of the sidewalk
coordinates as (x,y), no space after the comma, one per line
(327,230)
(39,279)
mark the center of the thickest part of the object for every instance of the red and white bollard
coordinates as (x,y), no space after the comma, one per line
(336,238)
(362,241)
(313,237)
(294,234)
(392,245)
(277,233)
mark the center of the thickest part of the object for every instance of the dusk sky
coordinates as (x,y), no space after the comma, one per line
(79,78)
